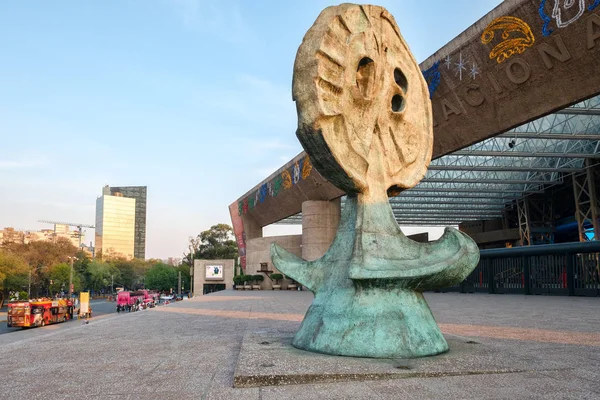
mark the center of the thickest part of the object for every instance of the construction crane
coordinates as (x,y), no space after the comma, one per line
(79,227)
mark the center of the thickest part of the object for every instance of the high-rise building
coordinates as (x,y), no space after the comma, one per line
(115,225)
(139,194)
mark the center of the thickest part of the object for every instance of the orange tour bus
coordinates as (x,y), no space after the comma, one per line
(39,312)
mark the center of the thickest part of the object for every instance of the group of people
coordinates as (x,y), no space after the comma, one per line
(137,306)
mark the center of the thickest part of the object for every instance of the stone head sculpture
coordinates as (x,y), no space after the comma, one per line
(364,114)
(364,118)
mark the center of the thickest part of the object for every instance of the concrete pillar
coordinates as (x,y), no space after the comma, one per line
(252,228)
(319,225)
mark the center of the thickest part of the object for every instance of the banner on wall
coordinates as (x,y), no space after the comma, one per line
(238,231)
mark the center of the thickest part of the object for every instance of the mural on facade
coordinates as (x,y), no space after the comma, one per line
(564,12)
(511,44)
(432,77)
(460,67)
(299,171)
(307,168)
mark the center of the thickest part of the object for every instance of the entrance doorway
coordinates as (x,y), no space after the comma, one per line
(212,287)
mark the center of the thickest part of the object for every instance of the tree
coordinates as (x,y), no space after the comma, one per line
(60,275)
(101,275)
(217,243)
(161,277)
(41,256)
(13,273)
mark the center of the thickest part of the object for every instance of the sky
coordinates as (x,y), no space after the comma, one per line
(191,98)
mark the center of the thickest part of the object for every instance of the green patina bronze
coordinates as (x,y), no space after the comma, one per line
(368,300)
(364,117)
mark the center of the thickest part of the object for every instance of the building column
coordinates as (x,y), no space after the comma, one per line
(586,201)
(524,221)
(320,221)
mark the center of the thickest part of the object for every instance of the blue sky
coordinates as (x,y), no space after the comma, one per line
(189,97)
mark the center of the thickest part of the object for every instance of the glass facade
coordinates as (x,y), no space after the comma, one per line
(139,194)
(115,225)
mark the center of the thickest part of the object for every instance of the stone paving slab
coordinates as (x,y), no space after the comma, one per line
(267,360)
(191,349)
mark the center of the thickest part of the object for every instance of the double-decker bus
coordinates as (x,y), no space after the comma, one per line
(38,312)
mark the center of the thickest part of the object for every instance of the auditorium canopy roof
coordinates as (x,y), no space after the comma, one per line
(479,181)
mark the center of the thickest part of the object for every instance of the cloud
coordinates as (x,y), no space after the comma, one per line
(9,164)
(258,101)
(205,16)
(187,10)
(262,173)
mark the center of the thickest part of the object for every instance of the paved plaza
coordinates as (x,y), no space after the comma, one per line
(502,347)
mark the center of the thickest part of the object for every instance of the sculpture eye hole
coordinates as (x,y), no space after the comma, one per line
(398,102)
(365,76)
(401,80)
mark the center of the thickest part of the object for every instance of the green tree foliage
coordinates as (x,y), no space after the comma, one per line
(41,256)
(161,277)
(80,265)
(101,275)
(217,243)
(60,275)
(14,273)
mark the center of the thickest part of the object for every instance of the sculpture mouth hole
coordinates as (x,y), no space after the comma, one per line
(406,367)
(365,76)
(397,103)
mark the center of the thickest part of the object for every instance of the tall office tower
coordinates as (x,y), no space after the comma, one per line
(139,194)
(115,225)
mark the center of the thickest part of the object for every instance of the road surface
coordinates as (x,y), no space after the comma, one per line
(100,309)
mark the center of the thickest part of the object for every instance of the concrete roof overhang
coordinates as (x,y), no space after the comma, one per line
(478,182)
(475,97)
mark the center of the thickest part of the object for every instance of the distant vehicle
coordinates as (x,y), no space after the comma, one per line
(167,297)
(144,297)
(39,312)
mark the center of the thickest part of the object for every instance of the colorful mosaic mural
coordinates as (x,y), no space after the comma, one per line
(516,37)
(286,180)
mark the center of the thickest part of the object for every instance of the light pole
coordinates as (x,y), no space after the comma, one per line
(191,271)
(71,278)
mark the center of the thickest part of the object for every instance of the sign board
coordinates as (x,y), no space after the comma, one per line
(84,300)
(214,272)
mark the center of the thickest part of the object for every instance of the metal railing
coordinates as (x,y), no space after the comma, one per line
(568,269)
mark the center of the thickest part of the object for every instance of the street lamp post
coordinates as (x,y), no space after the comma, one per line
(71,279)
(191,272)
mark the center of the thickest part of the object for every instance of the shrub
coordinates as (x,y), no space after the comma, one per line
(276,277)
(258,278)
(246,278)
(237,280)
